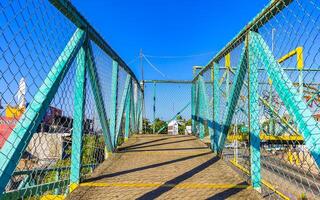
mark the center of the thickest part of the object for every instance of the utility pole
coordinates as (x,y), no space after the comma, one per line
(142,86)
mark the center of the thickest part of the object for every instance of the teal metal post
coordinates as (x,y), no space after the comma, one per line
(78,120)
(128,114)
(122,106)
(141,104)
(114,97)
(154,108)
(192,108)
(96,90)
(133,108)
(254,126)
(290,96)
(21,135)
(206,116)
(233,99)
(216,106)
(202,110)
(197,108)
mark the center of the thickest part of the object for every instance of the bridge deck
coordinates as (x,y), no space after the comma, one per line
(164,167)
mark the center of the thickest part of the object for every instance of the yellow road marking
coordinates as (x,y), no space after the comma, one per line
(181,185)
(266,183)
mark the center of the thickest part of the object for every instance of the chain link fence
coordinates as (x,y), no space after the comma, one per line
(167,107)
(67,100)
(260,95)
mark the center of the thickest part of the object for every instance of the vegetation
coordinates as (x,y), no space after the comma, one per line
(160,124)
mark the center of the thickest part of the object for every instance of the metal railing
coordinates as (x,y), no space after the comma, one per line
(259,113)
(68,99)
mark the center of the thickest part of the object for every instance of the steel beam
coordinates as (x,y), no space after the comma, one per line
(78,120)
(98,99)
(298,109)
(254,121)
(120,112)
(114,99)
(233,98)
(21,135)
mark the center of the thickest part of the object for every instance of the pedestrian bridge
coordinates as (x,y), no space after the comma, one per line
(76,123)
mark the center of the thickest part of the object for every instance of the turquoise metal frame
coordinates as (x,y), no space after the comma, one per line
(216,106)
(78,119)
(96,90)
(205,106)
(128,111)
(113,108)
(18,140)
(120,112)
(307,125)
(254,120)
(233,99)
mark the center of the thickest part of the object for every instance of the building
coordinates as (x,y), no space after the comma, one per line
(173,127)
(188,130)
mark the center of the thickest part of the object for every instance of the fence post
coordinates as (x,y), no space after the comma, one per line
(154,108)
(114,95)
(128,113)
(192,108)
(202,109)
(141,105)
(78,116)
(253,118)
(121,108)
(216,106)
(98,99)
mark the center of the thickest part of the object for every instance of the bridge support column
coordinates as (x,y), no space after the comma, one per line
(128,114)
(254,121)
(97,94)
(216,106)
(290,96)
(154,108)
(122,105)
(193,108)
(202,109)
(113,108)
(78,116)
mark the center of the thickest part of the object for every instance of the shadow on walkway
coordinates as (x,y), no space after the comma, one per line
(153,145)
(171,149)
(146,167)
(163,189)
(228,193)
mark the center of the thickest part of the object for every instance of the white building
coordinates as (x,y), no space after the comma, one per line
(188,130)
(173,127)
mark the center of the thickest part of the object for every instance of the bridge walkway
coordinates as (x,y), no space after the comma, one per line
(164,167)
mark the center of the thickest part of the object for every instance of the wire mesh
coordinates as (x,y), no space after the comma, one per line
(163,108)
(34,37)
(288,107)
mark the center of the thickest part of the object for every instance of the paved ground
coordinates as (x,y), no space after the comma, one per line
(164,167)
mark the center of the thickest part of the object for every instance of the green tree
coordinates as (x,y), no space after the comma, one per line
(160,124)
(146,126)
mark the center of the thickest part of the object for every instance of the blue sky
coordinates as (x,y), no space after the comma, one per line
(168,28)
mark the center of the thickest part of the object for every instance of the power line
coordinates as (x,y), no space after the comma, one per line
(154,67)
(184,56)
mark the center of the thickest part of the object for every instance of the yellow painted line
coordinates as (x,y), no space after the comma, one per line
(52,197)
(73,186)
(181,185)
(264,182)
